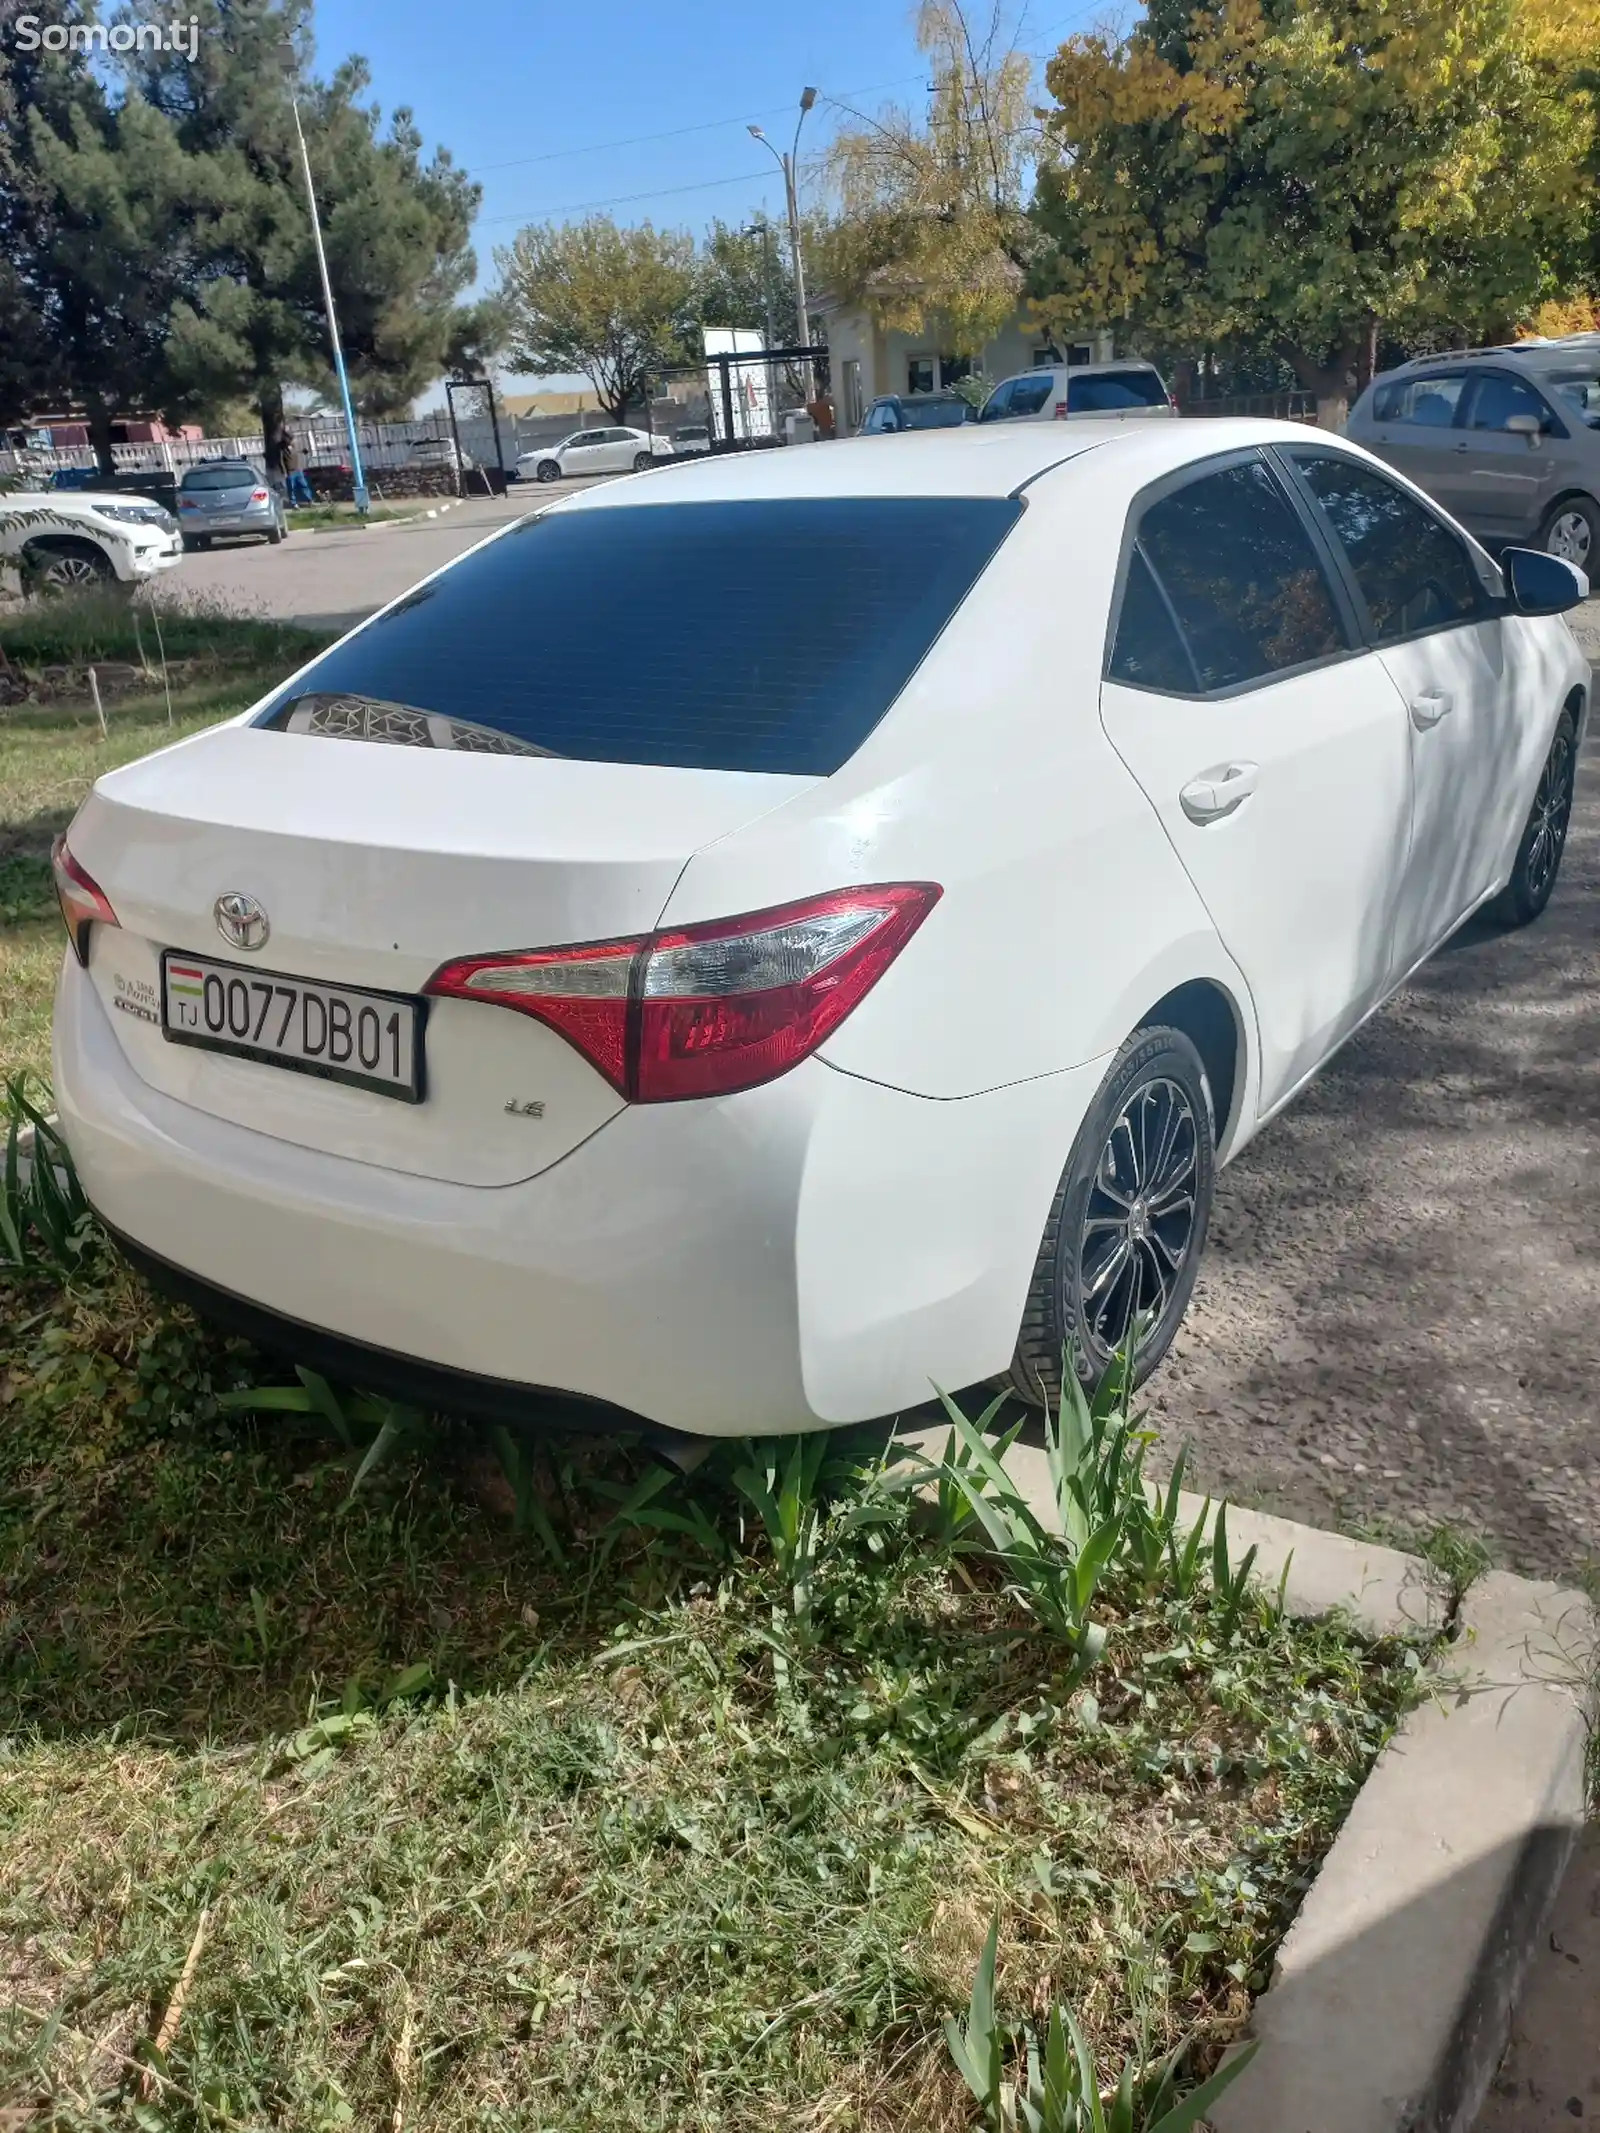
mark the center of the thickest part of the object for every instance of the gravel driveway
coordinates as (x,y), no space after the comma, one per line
(1398,1315)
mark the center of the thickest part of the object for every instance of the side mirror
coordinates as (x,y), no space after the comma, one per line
(1542,584)
(1528,426)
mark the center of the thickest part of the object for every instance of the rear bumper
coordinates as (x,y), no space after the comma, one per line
(261,522)
(817,1251)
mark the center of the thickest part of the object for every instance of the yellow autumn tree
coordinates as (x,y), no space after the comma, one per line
(1292,174)
(931,212)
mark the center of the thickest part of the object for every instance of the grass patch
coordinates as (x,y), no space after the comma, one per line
(50,755)
(322,518)
(104,627)
(504,1813)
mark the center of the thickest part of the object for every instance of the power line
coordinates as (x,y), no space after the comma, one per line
(674,133)
(661,192)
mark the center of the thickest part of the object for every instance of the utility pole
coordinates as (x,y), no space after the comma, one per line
(789,165)
(358,478)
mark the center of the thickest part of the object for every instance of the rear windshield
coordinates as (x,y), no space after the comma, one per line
(220,478)
(769,635)
(1111,390)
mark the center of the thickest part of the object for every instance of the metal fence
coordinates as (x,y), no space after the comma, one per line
(1284,407)
(320,443)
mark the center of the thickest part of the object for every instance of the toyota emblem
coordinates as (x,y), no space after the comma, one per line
(241,920)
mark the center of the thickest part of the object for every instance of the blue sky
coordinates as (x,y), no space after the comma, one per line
(637,110)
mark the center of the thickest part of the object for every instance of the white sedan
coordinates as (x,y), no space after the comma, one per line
(842,961)
(607,451)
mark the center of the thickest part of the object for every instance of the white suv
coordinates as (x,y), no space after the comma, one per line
(1131,389)
(65,540)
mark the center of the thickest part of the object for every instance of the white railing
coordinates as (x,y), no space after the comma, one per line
(320,443)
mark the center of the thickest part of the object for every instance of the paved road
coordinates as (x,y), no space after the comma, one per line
(1399,1313)
(331,580)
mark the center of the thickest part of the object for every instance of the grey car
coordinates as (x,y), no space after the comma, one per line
(228,496)
(1507,439)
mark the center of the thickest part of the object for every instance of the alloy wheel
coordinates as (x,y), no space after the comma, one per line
(1570,538)
(1139,1218)
(1552,809)
(69,573)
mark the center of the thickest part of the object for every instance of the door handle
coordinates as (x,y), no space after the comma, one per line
(1431,706)
(1217,792)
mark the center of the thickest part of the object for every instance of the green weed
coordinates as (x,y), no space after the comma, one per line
(1060,2089)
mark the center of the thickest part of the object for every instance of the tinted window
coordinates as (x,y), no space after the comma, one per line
(998,405)
(764,635)
(1577,392)
(1496,398)
(1148,653)
(1028,395)
(1430,401)
(219,478)
(1241,573)
(935,414)
(1413,573)
(1110,391)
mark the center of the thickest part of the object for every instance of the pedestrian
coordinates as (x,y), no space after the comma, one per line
(296,482)
(820,408)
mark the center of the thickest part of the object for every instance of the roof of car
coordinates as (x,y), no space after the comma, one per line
(1540,354)
(976,460)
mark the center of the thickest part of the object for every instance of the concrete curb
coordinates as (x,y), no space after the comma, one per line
(1391,1998)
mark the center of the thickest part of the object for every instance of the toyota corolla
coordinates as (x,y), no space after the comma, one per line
(842,960)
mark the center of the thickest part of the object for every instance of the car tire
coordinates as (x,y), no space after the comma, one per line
(1128,1222)
(641,460)
(1544,834)
(1572,531)
(548,470)
(275,534)
(57,568)
(197,543)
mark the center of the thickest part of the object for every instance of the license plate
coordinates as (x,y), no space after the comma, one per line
(372,1040)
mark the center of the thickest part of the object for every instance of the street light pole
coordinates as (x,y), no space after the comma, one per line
(789,165)
(358,479)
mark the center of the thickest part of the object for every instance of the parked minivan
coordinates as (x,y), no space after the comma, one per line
(1055,394)
(1507,439)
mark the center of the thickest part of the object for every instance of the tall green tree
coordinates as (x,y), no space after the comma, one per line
(94,215)
(396,226)
(744,278)
(612,304)
(932,221)
(1294,175)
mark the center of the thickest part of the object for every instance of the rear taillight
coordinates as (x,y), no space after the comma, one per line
(83,902)
(258,496)
(704,1010)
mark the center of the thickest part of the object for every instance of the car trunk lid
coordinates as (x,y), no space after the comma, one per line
(374,865)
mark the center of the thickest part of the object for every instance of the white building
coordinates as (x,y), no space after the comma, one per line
(866,360)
